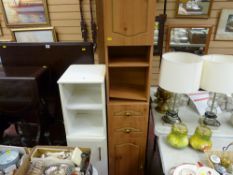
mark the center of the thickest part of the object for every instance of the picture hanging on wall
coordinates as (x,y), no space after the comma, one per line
(21,13)
(193,8)
(225,25)
(31,35)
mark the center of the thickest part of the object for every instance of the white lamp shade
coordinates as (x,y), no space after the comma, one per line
(217,75)
(180,72)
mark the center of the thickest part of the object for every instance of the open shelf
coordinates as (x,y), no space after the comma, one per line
(128,83)
(128,62)
(85,124)
(127,91)
(128,56)
(81,96)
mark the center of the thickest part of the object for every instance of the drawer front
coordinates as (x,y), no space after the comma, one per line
(125,118)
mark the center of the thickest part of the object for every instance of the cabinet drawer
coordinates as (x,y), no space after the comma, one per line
(128,110)
(128,116)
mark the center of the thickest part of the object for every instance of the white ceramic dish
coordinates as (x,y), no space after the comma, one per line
(191,169)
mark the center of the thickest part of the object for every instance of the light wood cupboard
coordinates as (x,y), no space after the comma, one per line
(125,36)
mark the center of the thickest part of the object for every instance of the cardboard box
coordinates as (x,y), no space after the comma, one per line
(38,151)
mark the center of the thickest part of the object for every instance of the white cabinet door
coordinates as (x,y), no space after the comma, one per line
(98,153)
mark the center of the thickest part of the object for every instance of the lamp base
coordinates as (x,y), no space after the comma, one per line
(210,119)
(171,117)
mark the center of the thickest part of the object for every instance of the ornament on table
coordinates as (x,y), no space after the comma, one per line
(162,97)
(178,137)
(201,139)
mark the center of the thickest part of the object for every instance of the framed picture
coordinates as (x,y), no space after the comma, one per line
(193,8)
(28,35)
(188,38)
(18,13)
(225,25)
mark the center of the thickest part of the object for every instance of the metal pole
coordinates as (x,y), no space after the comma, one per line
(212,105)
(174,104)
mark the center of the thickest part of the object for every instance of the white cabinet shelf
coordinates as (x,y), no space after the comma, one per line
(85,124)
(82,91)
(76,106)
(75,96)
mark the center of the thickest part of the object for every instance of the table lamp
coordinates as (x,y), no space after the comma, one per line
(216,78)
(180,73)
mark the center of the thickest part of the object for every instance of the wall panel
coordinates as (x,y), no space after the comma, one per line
(65,17)
(216,47)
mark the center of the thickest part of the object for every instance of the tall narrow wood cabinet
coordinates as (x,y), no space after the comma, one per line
(125,41)
(82,91)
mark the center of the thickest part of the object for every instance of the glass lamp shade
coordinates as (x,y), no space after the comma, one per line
(217,74)
(180,72)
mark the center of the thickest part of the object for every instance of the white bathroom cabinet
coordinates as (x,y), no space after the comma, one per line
(82,92)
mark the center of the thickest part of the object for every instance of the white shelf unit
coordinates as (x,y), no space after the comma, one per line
(76,96)
(82,92)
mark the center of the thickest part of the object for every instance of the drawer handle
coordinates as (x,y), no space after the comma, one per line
(128,113)
(141,167)
(127,130)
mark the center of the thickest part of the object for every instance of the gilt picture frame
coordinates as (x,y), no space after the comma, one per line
(193,8)
(25,13)
(225,25)
(32,35)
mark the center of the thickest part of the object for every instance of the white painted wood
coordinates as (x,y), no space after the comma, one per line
(82,92)
(83,74)
(98,152)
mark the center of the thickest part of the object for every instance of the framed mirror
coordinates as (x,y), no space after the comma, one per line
(159,34)
(189,38)
(193,8)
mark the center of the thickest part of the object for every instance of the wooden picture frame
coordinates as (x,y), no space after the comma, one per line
(159,34)
(22,13)
(1,33)
(191,41)
(193,8)
(225,25)
(27,35)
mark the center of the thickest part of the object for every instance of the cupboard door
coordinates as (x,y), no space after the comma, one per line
(129,22)
(126,153)
(98,153)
